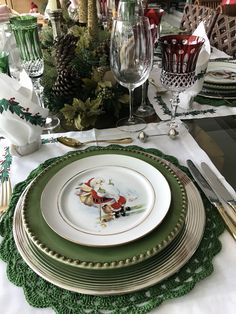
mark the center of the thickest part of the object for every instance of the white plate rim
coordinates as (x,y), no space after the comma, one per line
(218,65)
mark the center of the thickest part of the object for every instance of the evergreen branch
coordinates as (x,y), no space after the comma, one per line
(5,165)
(166,110)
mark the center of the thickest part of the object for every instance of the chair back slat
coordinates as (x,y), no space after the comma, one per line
(213,4)
(223,35)
(193,14)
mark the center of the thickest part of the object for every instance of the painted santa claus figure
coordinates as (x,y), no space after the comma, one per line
(97,192)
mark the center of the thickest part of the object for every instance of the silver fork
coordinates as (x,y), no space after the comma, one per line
(5,195)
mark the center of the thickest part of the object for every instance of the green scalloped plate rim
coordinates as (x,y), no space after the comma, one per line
(111,257)
(222,88)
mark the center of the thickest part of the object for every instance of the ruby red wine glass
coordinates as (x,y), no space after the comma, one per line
(179,58)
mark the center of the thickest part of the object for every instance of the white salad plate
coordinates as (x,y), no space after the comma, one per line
(105,200)
(221,73)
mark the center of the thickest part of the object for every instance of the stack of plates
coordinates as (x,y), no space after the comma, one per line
(220,80)
(108,221)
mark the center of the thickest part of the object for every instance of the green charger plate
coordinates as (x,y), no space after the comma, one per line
(125,279)
(223,88)
(67,252)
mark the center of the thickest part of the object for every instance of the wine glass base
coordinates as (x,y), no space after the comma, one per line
(144,111)
(136,125)
(51,123)
(178,126)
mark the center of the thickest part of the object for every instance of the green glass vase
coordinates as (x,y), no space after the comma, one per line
(25,30)
(4,62)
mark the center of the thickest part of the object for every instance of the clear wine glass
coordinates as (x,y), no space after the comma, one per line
(131,54)
(25,30)
(179,59)
(154,16)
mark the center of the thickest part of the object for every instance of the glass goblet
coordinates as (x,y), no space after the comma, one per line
(154,16)
(131,54)
(179,59)
(25,30)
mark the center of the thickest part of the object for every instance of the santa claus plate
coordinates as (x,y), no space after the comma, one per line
(105,200)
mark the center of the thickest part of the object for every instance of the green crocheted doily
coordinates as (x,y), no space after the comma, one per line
(40,293)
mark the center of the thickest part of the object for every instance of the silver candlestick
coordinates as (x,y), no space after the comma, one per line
(56,18)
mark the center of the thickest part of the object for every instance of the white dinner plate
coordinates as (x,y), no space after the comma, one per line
(105,200)
(221,73)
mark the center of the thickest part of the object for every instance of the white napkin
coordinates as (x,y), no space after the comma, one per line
(218,54)
(202,63)
(16,126)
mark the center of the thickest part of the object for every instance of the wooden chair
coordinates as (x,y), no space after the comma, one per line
(193,14)
(209,3)
(223,35)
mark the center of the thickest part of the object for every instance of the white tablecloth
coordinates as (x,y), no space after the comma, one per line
(214,295)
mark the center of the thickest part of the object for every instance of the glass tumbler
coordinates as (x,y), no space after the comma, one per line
(25,30)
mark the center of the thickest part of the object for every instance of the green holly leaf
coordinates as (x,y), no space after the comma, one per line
(82,121)
(79,105)
(78,123)
(69,112)
(94,105)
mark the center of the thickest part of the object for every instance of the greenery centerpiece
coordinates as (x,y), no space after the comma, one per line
(77,79)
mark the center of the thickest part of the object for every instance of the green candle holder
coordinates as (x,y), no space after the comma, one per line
(25,30)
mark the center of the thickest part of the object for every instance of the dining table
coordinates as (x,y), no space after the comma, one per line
(200,276)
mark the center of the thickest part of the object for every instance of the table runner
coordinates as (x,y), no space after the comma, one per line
(40,293)
(202,107)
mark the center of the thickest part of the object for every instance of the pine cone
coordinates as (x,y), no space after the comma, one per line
(65,51)
(66,84)
(67,80)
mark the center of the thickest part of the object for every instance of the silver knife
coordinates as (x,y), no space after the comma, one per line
(212,197)
(218,186)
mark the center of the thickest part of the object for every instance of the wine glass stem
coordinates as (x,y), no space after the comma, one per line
(174,105)
(144,94)
(38,88)
(131,100)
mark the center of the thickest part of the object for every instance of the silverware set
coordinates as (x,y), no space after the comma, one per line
(5,196)
(216,193)
(72,142)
